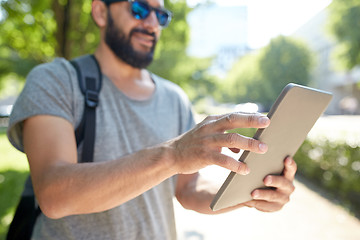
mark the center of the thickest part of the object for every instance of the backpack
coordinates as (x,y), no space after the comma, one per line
(89,78)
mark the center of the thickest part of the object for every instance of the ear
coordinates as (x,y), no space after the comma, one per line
(99,13)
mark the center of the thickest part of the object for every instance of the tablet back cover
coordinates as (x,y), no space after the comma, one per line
(292,116)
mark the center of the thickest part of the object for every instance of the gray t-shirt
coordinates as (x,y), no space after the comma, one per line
(123,126)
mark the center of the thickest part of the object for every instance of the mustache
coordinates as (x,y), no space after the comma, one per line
(143,31)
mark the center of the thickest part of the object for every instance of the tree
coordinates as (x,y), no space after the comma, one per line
(283,61)
(344,24)
(33,32)
(261,76)
(171,60)
(237,87)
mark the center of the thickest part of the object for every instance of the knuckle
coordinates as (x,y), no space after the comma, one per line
(251,143)
(204,126)
(292,188)
(231,118)
(251,119)
(208,118)
(241,167)
(232,139)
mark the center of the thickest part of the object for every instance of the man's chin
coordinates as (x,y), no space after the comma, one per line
(140,61)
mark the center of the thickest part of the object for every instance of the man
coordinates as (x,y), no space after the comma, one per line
(147,149)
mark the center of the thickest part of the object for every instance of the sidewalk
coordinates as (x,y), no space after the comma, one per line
(307,216)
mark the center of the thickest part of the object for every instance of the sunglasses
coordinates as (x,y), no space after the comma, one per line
(141,10)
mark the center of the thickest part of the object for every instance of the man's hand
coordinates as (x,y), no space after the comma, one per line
(202,145)
(271,200)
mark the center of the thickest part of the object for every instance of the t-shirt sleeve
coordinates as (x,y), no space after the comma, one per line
(48,91)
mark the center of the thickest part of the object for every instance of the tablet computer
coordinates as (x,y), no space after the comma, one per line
(292,116)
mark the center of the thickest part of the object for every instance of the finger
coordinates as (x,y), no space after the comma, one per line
(270,195)
(264,206)
(279,182)
(241,120)
(212,118)
(231,164)
(235,140)
(290,169)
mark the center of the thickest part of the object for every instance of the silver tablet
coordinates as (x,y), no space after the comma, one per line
(292,116)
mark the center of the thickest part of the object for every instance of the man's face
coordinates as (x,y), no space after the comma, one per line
(132,40)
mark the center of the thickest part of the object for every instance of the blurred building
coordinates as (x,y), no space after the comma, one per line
(220,32)
(343,85)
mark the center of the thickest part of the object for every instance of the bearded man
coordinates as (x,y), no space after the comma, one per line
(147,150)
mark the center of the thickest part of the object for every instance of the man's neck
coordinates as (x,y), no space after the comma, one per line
(134,82)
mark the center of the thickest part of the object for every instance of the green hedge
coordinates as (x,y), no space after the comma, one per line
(334,166)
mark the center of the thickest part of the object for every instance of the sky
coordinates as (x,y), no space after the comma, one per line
(270,18)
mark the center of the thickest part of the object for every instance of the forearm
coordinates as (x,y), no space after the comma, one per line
(196,193)
(68,189)
(63,187)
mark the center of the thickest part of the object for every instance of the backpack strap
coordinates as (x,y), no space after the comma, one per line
(90,80)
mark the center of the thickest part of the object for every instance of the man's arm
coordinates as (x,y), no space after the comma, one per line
(195,193)
(63,187)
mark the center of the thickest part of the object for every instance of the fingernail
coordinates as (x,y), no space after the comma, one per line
(263,147)
(268,181)
(263,120)
(245,170)
(255,194)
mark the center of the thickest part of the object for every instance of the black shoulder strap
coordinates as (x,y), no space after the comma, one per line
(90,79)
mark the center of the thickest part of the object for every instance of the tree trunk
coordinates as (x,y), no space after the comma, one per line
(62,17)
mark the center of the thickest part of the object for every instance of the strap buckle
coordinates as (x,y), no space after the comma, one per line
(91,98)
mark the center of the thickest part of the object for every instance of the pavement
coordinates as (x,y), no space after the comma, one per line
(309,214)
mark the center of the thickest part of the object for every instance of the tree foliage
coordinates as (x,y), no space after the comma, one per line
(344,24)
(260,76)
(171,60)
(33,32)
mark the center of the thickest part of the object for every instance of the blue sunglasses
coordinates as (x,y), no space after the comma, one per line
(141,10)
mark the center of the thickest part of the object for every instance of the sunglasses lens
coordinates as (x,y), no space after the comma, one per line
(163,17)
(140,10)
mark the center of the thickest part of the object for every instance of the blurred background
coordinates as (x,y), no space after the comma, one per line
(229,55)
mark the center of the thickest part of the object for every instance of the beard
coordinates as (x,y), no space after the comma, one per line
(122,48)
